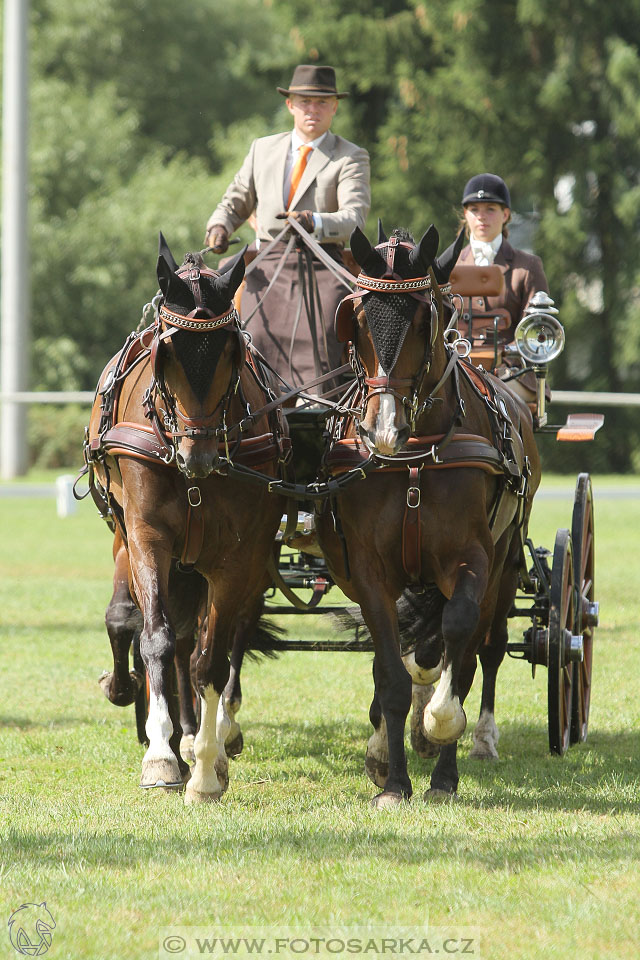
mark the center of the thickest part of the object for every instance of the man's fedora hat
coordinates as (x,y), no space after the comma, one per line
(488,188)
(309,80)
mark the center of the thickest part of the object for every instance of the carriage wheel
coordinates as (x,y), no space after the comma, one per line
(561,620)
(586,613)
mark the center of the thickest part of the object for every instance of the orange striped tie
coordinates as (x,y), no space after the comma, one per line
(298,170)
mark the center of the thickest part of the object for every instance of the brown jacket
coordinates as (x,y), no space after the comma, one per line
(523,276)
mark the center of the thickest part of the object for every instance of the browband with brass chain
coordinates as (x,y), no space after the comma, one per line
(188,323)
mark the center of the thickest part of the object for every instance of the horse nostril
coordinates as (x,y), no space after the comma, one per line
(403,435)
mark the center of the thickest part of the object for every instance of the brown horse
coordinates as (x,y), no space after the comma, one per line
(445,513)
(173,410)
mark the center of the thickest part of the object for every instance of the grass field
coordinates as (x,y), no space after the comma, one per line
(539,858)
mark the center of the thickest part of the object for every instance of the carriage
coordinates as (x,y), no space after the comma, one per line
(555,589)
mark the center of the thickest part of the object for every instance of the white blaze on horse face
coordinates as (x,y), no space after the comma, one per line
(204,783)
(386,432)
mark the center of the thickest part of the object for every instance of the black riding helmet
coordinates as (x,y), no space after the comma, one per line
(488,188)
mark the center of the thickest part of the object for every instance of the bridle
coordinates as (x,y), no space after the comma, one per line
(425,290)
(201,319)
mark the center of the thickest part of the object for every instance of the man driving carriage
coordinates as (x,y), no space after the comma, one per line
(322,181)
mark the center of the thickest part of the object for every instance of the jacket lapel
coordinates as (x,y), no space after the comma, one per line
(504,256)
(319,158)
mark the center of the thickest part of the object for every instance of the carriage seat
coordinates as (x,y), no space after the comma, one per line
(488,330)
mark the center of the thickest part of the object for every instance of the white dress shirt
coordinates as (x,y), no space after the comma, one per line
(485,253)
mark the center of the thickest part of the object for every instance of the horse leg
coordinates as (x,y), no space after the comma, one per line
(445,777)
(393,693)
(162,765)
(491,654)
(376,760)
(209,777)
(123,620)
(444,717)
(233,694)
(188,724)
(424,666)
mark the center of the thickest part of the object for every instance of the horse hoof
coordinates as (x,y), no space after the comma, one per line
(448,725)
(387,800)
(197,796)
(423,676)
(120,697)
(485,738)
(163,774)
(233,748)
(377,770)
(186,748)
(484,751)
(435,795)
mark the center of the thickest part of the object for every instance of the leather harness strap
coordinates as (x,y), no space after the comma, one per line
(411,539)
(194,532)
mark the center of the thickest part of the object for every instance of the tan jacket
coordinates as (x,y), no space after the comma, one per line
(523,275)
(335,184)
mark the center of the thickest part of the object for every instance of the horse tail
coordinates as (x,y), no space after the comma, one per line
(266,641)
(419,619)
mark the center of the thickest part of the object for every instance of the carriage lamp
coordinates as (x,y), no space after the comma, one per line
(539,339)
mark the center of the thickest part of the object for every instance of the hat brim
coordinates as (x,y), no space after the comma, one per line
(486,197)
(310,92)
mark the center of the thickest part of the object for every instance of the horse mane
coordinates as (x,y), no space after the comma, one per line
(403,235)
(193,259)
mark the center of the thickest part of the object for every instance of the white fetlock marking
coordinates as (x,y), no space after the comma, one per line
(158,729)
(378,745)
(421,674)
(204,779)
(444,719)
(485,737)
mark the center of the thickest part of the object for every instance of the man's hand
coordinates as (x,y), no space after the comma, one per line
(303,217)
(217,238)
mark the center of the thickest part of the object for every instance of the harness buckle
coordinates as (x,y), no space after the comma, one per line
(413,492)
(194,496)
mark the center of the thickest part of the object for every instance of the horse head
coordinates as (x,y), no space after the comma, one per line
(393,321)
(197,354)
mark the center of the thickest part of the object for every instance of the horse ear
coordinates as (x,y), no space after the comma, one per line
(163,251)
(382,237)
(424,253)
(445,263)
(174,289)
(227,284)
(230,262)
(365,255)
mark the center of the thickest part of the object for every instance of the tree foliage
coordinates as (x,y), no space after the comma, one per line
(141,113)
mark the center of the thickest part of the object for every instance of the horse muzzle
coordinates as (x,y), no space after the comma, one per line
(196,460)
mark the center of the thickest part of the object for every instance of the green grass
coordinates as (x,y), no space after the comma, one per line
(539,857)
